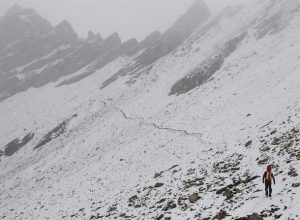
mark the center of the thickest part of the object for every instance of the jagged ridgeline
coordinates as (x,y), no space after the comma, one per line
(34,53)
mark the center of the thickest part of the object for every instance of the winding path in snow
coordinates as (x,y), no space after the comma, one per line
(152,124)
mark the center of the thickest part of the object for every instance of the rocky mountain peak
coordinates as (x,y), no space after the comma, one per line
(20,25)
(114,38)
(130,46)
(66,31)
(27,15)
(151,39)
(92,37)
(195,16)
(15,9)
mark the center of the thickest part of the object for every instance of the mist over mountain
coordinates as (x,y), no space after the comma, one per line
(65,54)
(179,125)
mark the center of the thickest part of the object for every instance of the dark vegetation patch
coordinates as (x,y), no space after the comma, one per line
(12,147)
(54,133)
(204,71)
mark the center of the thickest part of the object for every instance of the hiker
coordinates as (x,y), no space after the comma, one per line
(267,180)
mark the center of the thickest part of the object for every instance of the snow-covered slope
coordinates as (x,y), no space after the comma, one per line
(185,137)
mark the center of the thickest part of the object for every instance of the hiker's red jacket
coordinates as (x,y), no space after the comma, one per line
(268,176)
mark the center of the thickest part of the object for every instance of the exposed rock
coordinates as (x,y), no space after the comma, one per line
(181,202)
(91,36)
(263,161)
(109,49)
(132,200)
(206,69)
(221,215)
(66,31)
(230,186)
(176,34)
(21,30)
(54,133)
(156,175)
(191,183)
(96,217)
(160,217)
(157,185)
(12,147)
(171,168)
(151,40)
(295,185)
(194,198)
(15,9)
(94,38)
(248,143)
(112,208)
(161,201)
(254,216)
(277,216)
(228,194)
(293,173)
(170,205)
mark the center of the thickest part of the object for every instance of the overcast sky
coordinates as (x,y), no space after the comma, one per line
(130,18)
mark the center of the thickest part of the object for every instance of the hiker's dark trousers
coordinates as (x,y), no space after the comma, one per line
(268,187)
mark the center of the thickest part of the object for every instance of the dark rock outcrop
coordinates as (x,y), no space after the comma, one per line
(110,49)
(66,32)
(231,186)
(54,133)
(204,71)
(94,38)
(151,40)
(254,216)
(14,146)
(21,34)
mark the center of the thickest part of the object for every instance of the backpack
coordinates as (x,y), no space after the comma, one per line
(268,175)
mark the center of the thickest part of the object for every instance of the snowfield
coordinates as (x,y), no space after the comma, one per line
(136,152)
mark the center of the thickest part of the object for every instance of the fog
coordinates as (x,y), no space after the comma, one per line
(130,18)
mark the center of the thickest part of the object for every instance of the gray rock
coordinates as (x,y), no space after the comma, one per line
(194,198)
(157,185)
(254,216)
